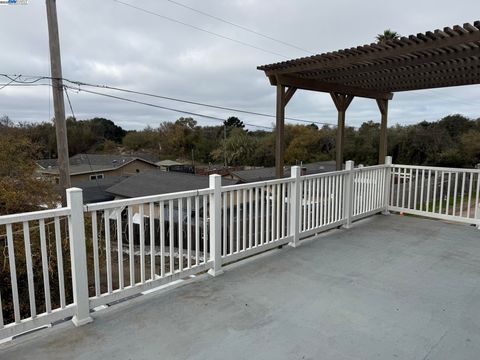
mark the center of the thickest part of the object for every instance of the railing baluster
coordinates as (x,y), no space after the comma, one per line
(469,201)
(257,206)
(46,280)
(462,193)
(279,208)
(171,236)
(421,189)
(197,229)
(435,191)
(476,195)
(131,246)
(108,253)
(415,194)
(58,246)
(262,215)
(268,217)
(13,273)
(180,234)
(283,210)
(448,193)
(250,218)
(232,209)
(455,194)
(244,219)
(120,249)
(237,223)
(189,232)
(152,240)
(205,228)
(427,203)
(409,189)
(96,265)
(142,243)
(273,201)
(28,258)
(442,180)
(162,238)
(224,224)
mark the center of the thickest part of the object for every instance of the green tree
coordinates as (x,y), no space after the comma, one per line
(21,189)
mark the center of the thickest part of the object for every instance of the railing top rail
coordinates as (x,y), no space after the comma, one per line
(145,200)
(325,174)
(366,168)
(436,168)
(34,215)
(257,184)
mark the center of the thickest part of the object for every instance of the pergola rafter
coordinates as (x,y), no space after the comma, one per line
(440,58)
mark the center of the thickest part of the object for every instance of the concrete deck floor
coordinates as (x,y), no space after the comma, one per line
(391,287)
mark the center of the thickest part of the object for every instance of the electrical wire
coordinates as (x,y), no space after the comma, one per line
(193,102)
(200,29)
(239,26)
(80,83)
(160,107)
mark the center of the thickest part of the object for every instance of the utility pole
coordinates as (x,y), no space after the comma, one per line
(58,101)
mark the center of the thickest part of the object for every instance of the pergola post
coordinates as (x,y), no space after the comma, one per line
(283,97)
(341,102)
(382,151)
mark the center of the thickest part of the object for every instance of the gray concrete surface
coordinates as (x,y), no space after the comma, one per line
(391,287)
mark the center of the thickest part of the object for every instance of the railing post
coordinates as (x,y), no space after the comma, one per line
(78,257)
(216,224)
(295,197)
(349,194)
(388,184)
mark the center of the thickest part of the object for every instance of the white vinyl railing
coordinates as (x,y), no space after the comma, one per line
(46,241)
(141,243)
(97,254)
(443,193)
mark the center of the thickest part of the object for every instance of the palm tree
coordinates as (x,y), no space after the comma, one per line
(387,35)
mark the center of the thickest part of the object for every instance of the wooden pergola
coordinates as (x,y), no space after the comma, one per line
(435,59)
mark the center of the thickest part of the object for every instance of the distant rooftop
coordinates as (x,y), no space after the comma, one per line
(83,163)
(264,174)
(161,182)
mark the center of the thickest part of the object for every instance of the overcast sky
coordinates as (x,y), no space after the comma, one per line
(105,42)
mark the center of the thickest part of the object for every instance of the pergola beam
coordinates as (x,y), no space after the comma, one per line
(314,85)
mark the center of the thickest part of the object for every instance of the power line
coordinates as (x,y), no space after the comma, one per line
(80,83)
(200,29)
(240,26)
(194,102)
(160,107)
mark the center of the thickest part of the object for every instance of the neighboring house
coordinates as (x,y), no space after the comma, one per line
(160,182)
(92,167)
(166,165)
(264,174)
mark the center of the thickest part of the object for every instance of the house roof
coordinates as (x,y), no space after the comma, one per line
(88,163)
(96,191)
(157,182)
(439,58)
(264,174)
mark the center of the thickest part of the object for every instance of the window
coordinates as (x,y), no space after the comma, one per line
(96,177)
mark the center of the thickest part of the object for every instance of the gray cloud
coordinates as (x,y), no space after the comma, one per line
(107,43)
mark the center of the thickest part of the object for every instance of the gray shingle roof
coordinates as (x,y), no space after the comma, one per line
(82,163)
(161,182)
(96,191)
(264,174)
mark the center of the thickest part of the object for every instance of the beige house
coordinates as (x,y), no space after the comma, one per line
(92,167)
